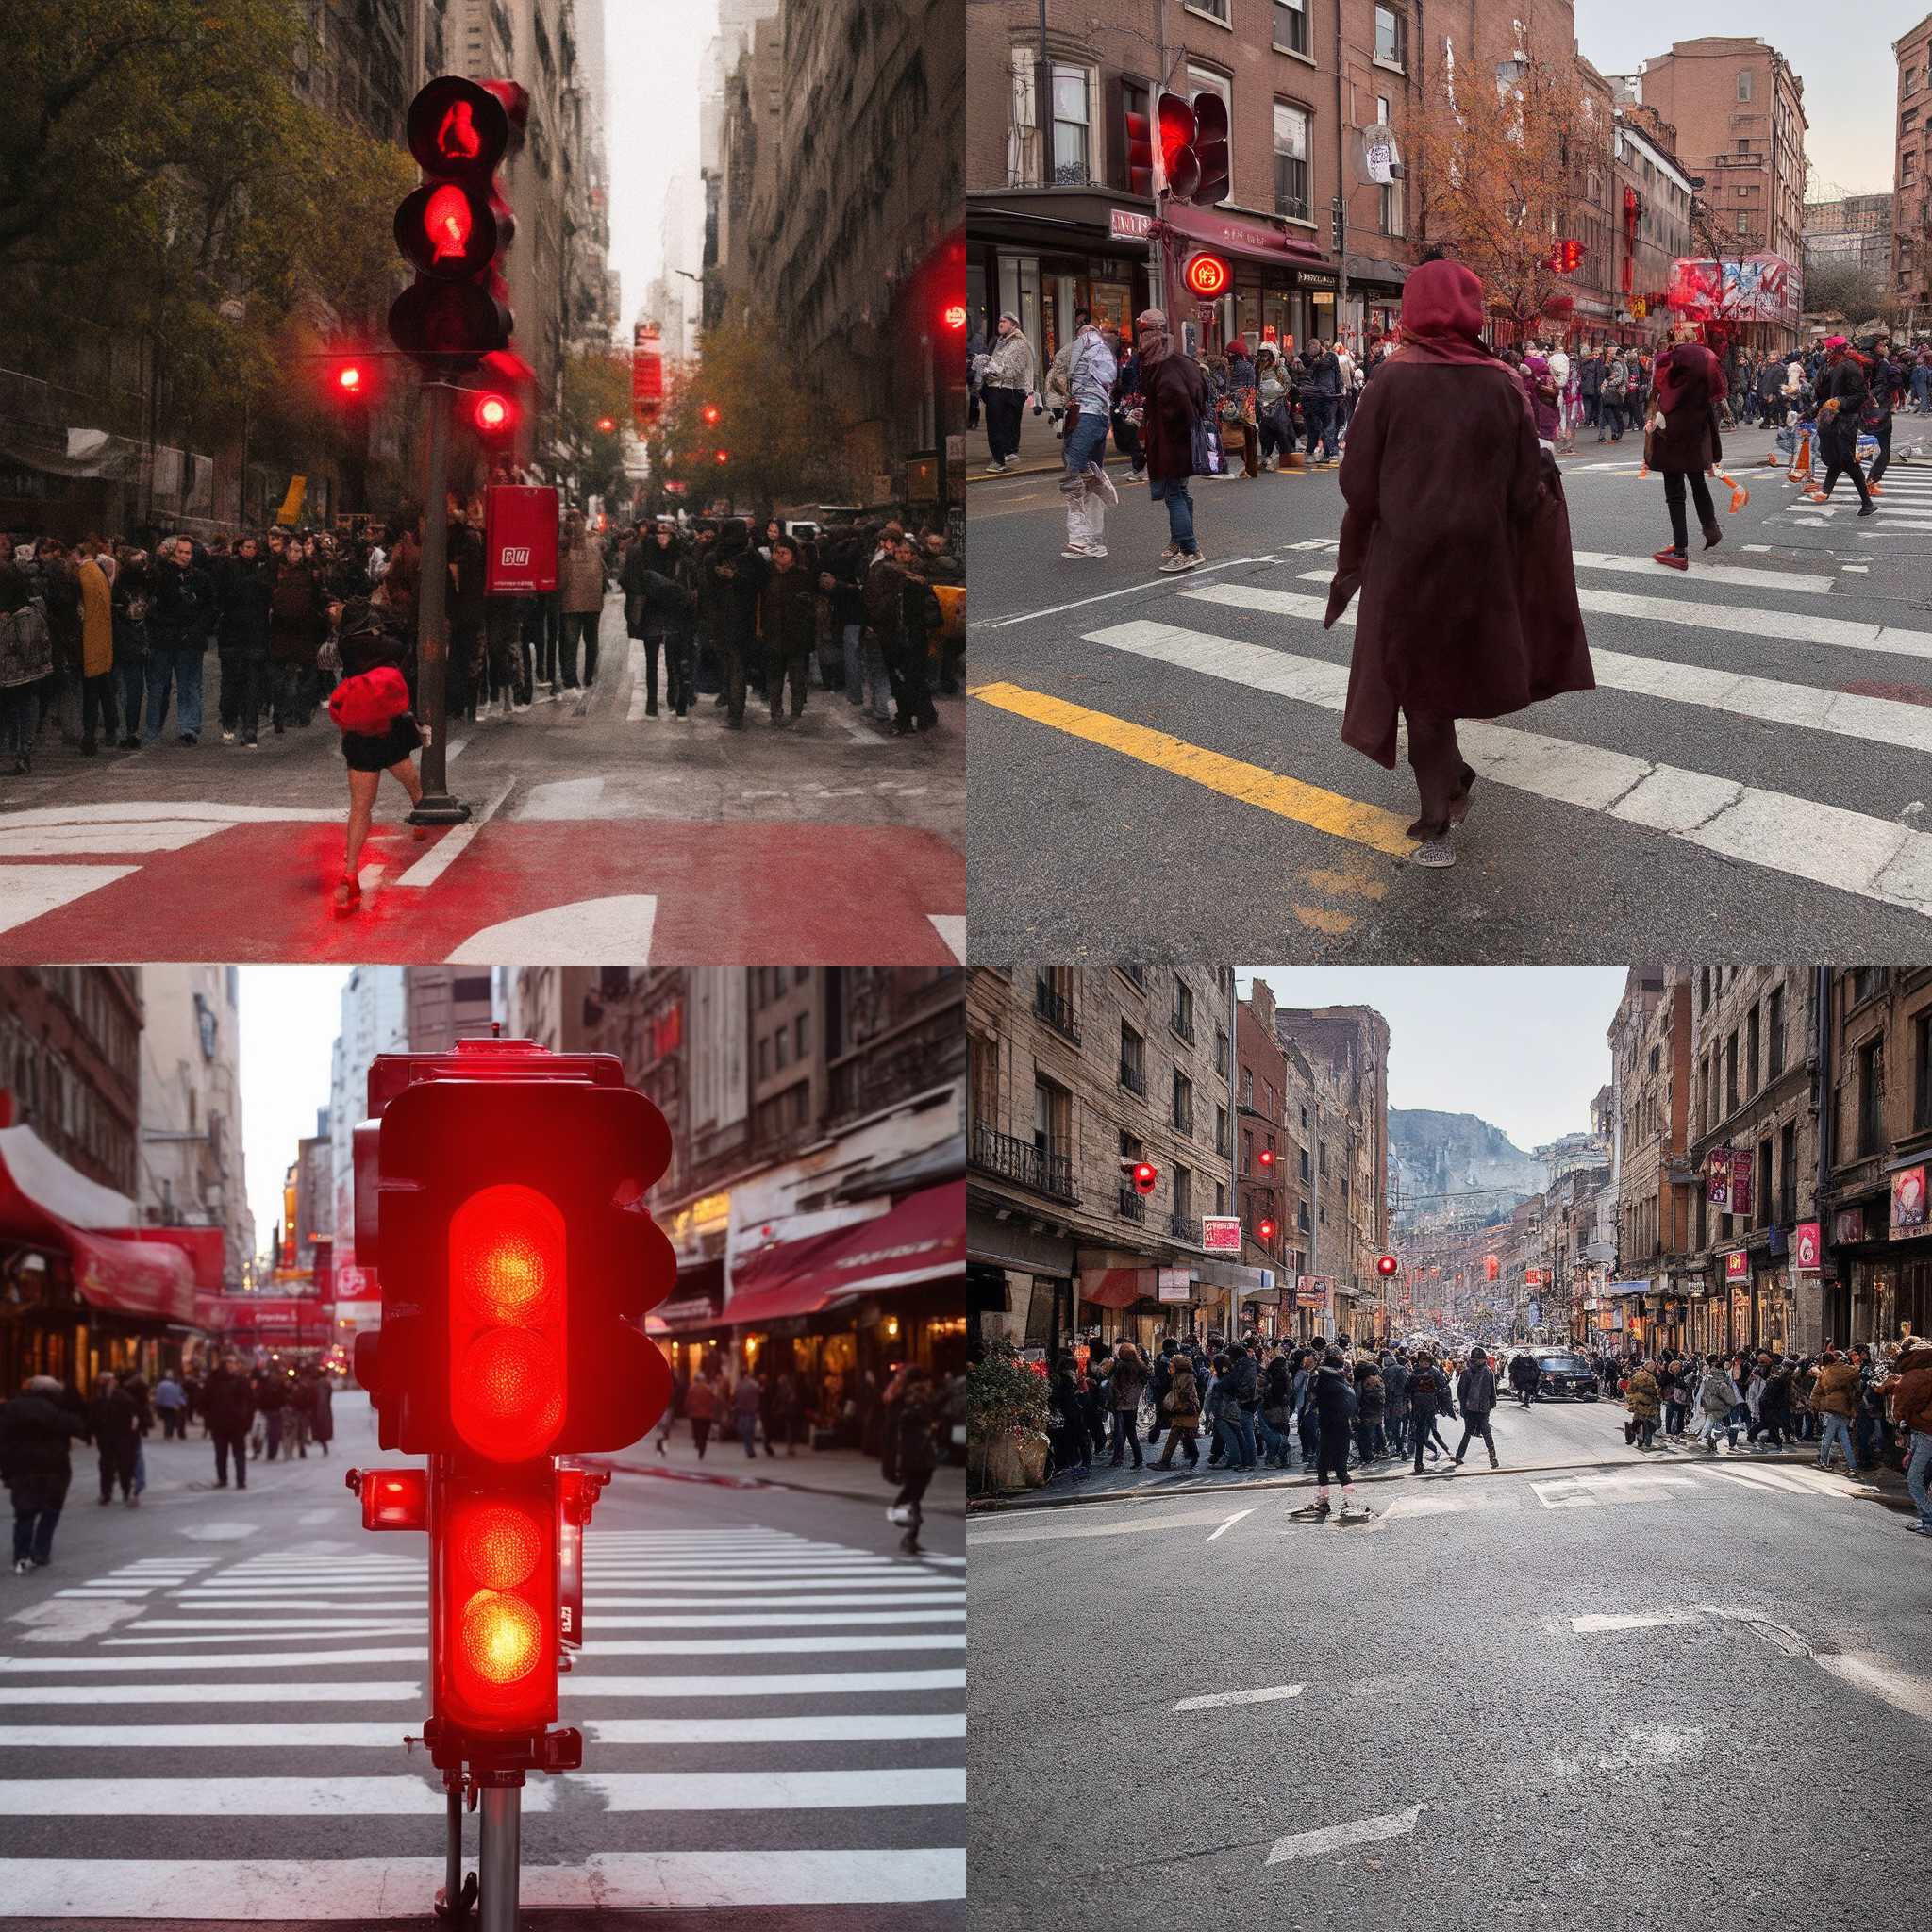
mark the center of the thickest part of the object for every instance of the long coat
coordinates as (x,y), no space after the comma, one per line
(1688,438)
(1174,395)
(1458,535)
(96,619)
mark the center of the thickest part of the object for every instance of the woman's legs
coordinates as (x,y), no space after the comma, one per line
(362,787)
(1884,435)
(1674,503)
(1436,760)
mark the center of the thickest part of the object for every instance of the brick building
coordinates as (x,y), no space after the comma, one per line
(1651,213)
(1650,1055)
(1911,264)
(1267,1177)
(1074,1072)
(1755,1152)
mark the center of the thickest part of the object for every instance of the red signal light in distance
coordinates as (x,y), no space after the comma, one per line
(709,415)
(1265,1231)
(492,413)
(1145,1174)
(349,378)
(724,455)
(1385,1264)
(605,425)
(1267,1157)
(508,1376)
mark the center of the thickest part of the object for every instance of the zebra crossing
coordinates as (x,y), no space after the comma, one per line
(771,1719)
(1663,746)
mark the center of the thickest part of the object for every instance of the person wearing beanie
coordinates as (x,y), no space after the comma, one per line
(365,645)
(1335,1408)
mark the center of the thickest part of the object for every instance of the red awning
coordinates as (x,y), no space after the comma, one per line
(1242,235)
(922,1238)
(206,1248)
(297,1321)
(38,1196)
(1115,1287)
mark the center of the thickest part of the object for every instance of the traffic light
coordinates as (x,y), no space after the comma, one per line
(1143,1174)
(455,228)
(492,1594)
(723,456)
(1210,148)
(1264,1231)
(1385,1265)
(500,1193)
(1267,1157)
(493,414)
(349,381)
(606,426)
(393,1498)
(1567,258)
(1139,155)
(1180,167)
(708,414)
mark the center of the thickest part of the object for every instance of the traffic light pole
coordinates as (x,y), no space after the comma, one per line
(498,1857)
(436,807)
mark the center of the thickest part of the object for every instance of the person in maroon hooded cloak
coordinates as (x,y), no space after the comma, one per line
(1457,536)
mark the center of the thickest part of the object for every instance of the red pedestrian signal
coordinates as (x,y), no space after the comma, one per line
(606,426)
(349,379)
(454,229)
(1267,1157)
(1143,1174)
(1567,258)
(493,414)
(724,455)
(1385,1265)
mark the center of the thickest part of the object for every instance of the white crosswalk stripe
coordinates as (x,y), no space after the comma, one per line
(813,1750)
(1875,858)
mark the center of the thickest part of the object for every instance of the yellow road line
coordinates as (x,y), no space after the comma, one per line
(1288,798)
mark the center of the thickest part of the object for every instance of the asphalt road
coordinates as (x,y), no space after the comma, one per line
(597,832)
(1663,1692)
(1156,771)
(203,1702)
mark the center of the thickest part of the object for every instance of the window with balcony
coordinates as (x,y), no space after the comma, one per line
(1869,1064)
(1182,1017)
(1183,1114)
(1053,1001)
(1291,26)
(1133,1060)
(1392,36)
(1291,160)
(1181,1222)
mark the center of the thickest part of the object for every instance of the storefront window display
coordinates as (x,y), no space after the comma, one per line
(1775,1311)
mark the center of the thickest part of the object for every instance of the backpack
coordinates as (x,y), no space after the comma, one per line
(369,703)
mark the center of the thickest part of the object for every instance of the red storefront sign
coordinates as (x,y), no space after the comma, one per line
(647,375)
(519,539)
(1738,1268)
(1806,1247)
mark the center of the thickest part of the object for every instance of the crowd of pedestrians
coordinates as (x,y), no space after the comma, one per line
(106,643)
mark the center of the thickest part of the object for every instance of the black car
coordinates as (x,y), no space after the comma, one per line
(1565,1374)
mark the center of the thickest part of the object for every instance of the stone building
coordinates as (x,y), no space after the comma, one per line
(1651,1057)
(1876,1090)
(69,1065)
(1078,1073)
(1910,265)
(1651,212)
(1755,1154)
(1853,232)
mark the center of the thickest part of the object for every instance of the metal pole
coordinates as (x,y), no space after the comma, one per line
(453,1850)
(1340,192)
(497,1858)
(432,627)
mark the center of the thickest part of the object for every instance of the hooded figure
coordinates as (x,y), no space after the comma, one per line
(1457,536)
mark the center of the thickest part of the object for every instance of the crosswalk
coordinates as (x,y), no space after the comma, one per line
(1904,503)
(770,1719)
(1708,688)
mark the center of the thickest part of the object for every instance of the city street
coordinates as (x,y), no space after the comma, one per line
(1753,763)
(599,832)
(1645,1689)
(205,1702)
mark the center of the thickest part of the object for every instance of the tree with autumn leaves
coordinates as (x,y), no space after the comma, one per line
(1492,155)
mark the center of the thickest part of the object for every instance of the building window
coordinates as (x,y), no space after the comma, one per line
(1183,1017)
(1730,1074)
(1072,133)
(1922,1071)
(1133,1060)
(1868,1099)
(1774,1027)
(1394,219)
(1052,1110)
(1788,1175)
(1743,83)
(1291,26)
(1247,1086)
(1183,1192)
(1751,1051)
(1390,36)
(1215,9)
(1909,120)
(1743,224)
(1221,1146)
(1220,1053)
(1183,1103)
(1291,160)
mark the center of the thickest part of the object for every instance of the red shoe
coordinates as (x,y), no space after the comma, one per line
(1670,557)
(348,892)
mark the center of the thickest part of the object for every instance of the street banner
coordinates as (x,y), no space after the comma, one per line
(1907,1202)
(1738,1267)
(519,539)
(291,512)
(1805,1247)
(1221,1233)
(1740,1181)
(1717,1177)
(1311,1291)
(1536,1314)
(1847,1228)
(646,375)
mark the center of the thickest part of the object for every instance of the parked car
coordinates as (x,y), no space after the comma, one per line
(1565,1374)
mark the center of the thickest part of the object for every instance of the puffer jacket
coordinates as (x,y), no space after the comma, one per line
(1010,363)
(1836,1390)
(1645,1400)
(1717,1394)
(27,646)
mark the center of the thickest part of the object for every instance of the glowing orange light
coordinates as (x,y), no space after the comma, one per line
(955,315)
(709,413)
(492,412)
(607,423)
(724,455)
(1206,275)
(501,1640)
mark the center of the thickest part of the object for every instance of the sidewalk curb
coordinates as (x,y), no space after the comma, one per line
(1000,1505)
(723,1480)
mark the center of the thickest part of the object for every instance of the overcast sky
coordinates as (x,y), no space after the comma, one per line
(290,1017)
(653,49)
(1843,56)
(1524,1047)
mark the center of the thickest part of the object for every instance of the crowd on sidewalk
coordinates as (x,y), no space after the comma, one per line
(108,642)
(1265,1402)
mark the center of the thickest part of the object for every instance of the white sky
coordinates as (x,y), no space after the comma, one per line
(1843,58)
(1523,1048)
(652,54)
(289,1019)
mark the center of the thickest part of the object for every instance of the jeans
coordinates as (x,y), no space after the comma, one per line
(1003,411)
(1714,1426)
(1274,1446)
(117,1466)
(1838,1428)
(17,716)
(1867,1436)
(37,1504)
(1174,491)
(1398,1429)
(1916,1472)
(1611,419)
(1882,433)
(1238,1432)
(130,676)
(1675,1414)
(1086,443)
(795,663)
(271,1423)
(181,668)
(234,1440)
(1318,418)
(748,1432)
(1475,1422)
(1125,1435)
(677,691)
(173,1424)
(579,626)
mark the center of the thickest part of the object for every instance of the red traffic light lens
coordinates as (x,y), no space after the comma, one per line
(396,1499)
(724,455)
(508,1376)
(709,413)
(605,425)
(502,1547)
(1385,1264)
(492,413)
(349,378)
(502,1641)
(447,224)
(1267,1157)
(1145,1174)
(1266,1231)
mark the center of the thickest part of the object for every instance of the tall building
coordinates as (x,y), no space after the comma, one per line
(448,1004)
(1854,232)
(314,1227)
(375,1019)
(1911,266)
(1739,110)
(1650,1049)
(69,1065)
(1650,215)
(192,1171)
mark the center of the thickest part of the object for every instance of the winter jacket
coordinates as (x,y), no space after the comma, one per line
(1475,1388)
(298,619)
(1010,363)
(1717,1394)
(1835,1391)
(1370,1393)
(1644,1397)
(1426,1392)
(96,617)
(1091,372)
(1911,1394)
(181,615)
(1335,1400)
(27,646)
(580,575)
(1182,1405)
(228,1403)
(1243,1378)
(729,577)
(787,610)
(1128,1383)
(35,1430)
(114,1419)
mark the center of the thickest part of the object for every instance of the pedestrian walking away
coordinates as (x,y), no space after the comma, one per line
(36,1428)
(1175,426)
(1457,536)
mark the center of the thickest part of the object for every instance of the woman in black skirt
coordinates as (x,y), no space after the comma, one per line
(366,645)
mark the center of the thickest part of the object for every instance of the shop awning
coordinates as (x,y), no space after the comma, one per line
(1116,1288)
(921,1238)
(1243,236)
(295,1320)
(44,1202)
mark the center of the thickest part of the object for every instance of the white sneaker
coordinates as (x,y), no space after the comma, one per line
(1182,560)
(228,738)
(995,469)
(1080,549)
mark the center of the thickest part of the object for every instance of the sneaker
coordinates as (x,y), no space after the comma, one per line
(998,469)
(189,738)
(1074,551)
(1867,509)
(1670,559)
(1186,560)
(1172,549)
(20,1566)
(228,738)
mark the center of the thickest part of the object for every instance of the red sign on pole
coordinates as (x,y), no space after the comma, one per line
(519,539)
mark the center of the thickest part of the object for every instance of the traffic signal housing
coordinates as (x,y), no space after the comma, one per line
(1193,147)
(492,1594)
(1142,1175)
(1140,154)
(455,228)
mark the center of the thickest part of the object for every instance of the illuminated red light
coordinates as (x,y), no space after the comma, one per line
(955,315)
(349,378)
(457,138)
(724,455)
(1267,1157)
(506,1323)
(396,1499)
(605,425)
(491,412)
(1385,1264)
(1206,275)
(447,223)
(502,1641)
(1266,1231)
(709,413)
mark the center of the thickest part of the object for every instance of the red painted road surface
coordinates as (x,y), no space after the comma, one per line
(638,889)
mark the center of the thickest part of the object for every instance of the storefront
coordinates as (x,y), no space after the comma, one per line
(82,1293)
(1878,1284)
(688,1326)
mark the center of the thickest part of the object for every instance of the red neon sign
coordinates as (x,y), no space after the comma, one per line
(1206,275)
